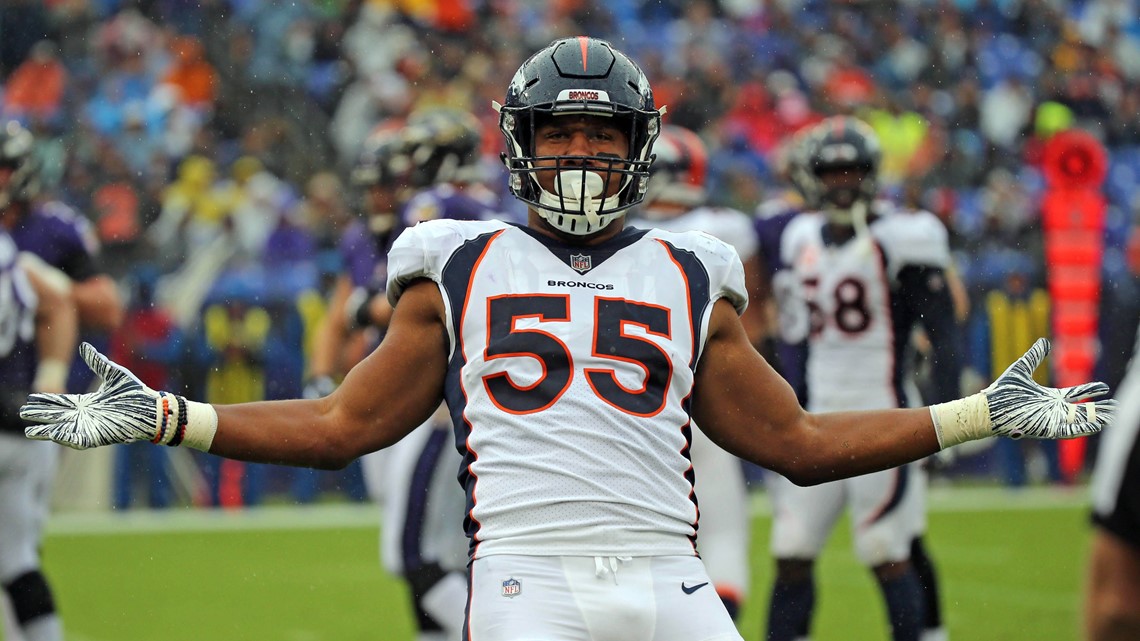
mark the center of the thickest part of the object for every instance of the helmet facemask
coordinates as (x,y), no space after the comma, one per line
(570,78)
(578,205)
(835,165)
(849,201)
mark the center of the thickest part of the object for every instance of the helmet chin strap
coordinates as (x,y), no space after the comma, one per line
(578,191)
(856,216)
(583,187)
(859,219)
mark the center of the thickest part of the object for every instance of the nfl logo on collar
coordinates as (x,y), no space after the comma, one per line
(581,263)
(512,588)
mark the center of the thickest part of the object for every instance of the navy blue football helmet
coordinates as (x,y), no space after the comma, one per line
(579,75)
(838,144)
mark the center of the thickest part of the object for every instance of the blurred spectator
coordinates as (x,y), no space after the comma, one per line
(235,329)
(1005,111)
(902,132)
(192,74)
(1016,315)
(845,86)
(325,209)
(190,209)
(35,90)
(149,340)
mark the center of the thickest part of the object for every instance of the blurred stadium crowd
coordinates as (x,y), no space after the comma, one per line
(209,141)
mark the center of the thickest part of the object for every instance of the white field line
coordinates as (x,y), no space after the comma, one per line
(366,515)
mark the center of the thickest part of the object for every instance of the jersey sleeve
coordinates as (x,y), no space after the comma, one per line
(422,251)
(412,256)
(725,270)
(913,238)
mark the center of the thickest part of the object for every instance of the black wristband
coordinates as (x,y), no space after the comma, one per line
(180,431)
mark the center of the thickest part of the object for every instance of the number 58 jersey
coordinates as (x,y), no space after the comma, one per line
(854,302)
(570,380)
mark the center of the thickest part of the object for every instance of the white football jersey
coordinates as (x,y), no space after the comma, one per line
(838,298)
(570,380)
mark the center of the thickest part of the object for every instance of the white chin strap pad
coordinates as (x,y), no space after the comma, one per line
(582,187)
(574,209)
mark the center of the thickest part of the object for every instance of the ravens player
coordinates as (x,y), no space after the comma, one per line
(61,242)
(426,168)
(38,328)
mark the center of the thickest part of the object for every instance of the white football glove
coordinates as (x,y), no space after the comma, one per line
(1015,406)
(122,410)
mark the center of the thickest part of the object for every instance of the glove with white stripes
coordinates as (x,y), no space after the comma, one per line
(122,410)
(1015,406)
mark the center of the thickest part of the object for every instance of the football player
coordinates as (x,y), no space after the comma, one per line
(431,168)
(441,148)
(413,481)
(856,280)
(379,175)
(55,236)
(38,329)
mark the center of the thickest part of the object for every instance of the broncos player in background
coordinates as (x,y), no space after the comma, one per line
(427,168)
(38,333)
(857,278)
(676,200)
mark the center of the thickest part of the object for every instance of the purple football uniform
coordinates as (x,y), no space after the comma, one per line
(61,237)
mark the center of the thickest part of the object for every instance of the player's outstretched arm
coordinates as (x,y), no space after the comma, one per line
(1015,406)
(382,399)
(743,405)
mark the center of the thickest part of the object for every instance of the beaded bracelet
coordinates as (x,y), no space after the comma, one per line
(165,416)
(182,420)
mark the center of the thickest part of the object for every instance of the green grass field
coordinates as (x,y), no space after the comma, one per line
(1012,567)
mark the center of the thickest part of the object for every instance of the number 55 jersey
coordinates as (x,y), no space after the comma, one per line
(570,380)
